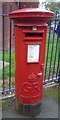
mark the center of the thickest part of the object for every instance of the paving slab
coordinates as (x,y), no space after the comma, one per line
(49,109)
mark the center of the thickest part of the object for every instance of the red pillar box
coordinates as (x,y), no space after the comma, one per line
(30,41)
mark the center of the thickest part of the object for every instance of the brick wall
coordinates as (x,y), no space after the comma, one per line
(7,22)
(28,4)
(6,26)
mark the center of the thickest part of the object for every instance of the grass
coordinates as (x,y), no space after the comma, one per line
(50,48)
(7,68)
(6,59)
(51,55)
(52,92)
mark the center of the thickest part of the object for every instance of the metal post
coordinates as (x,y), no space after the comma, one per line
(3,44)
(55,58)
(47,50)
(51,57)
(10,49)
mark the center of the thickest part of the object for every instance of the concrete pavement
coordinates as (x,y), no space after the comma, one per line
(49,109)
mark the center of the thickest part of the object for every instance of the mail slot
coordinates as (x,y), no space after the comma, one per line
(30,42)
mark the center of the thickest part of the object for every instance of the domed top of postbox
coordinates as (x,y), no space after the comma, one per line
(30,13)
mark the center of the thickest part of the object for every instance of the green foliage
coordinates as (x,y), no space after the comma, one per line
(53,6)
(49,55)
(7,68)
(52,92)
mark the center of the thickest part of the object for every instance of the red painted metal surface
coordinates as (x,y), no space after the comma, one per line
(31,12)
(30,52)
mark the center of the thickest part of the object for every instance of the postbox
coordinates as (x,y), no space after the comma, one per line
(30,41)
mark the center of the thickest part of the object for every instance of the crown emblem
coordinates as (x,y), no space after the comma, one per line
(32,77)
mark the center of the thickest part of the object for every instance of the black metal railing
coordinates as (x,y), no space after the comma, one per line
(52,53)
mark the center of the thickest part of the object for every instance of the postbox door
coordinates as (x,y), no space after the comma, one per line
(29,67)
